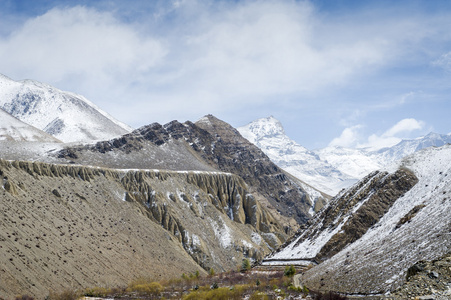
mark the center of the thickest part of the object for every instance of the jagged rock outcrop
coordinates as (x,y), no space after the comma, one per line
(74,226)
(209,144)
(347,217)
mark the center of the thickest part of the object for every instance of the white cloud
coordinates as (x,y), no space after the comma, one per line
(444,61)
(188,58)
(220,58)
(393,135)
(79,44)
(348,138)
(404,126)
(352,137)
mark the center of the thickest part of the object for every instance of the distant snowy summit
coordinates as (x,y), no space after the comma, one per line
(67,116)
(332,168)
(268,134)
(359,162)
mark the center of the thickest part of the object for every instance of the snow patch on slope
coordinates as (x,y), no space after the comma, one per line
(16,130)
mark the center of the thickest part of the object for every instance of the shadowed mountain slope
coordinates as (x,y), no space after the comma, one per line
(209,144)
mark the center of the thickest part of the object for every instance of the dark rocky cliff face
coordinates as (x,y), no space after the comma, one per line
(209,144)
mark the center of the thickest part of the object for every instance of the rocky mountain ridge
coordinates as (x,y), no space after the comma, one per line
(367,237)
(209,144)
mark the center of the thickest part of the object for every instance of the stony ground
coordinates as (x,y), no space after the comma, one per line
(427,280)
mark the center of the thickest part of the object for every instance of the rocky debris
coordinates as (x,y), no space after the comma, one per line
(412,213)
(427,280)
(399,216)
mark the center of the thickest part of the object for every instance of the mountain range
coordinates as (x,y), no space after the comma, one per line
(89,201)
(198,189)
(329,169)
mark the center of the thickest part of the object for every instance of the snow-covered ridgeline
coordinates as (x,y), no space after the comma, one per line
(381,256)
(67,116)
(269,135)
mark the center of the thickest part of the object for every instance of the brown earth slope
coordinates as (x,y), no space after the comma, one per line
(75,227)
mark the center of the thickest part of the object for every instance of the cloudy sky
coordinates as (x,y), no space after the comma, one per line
(347,73)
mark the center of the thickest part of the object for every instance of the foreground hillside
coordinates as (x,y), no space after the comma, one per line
(368,236)
(73,227)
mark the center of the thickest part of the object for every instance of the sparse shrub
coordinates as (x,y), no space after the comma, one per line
(211,272)
(257,283)
(97,292)
(305,290)
(245,265)
(294,289)
(64,295)
(145,288)
(258,296)
(24,297)
(214,286)
(289,271)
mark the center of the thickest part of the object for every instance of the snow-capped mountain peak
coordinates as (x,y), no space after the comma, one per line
(262,128)
(67,116)
(268,134)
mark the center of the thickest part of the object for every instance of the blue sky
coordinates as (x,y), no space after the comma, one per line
(347,73)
